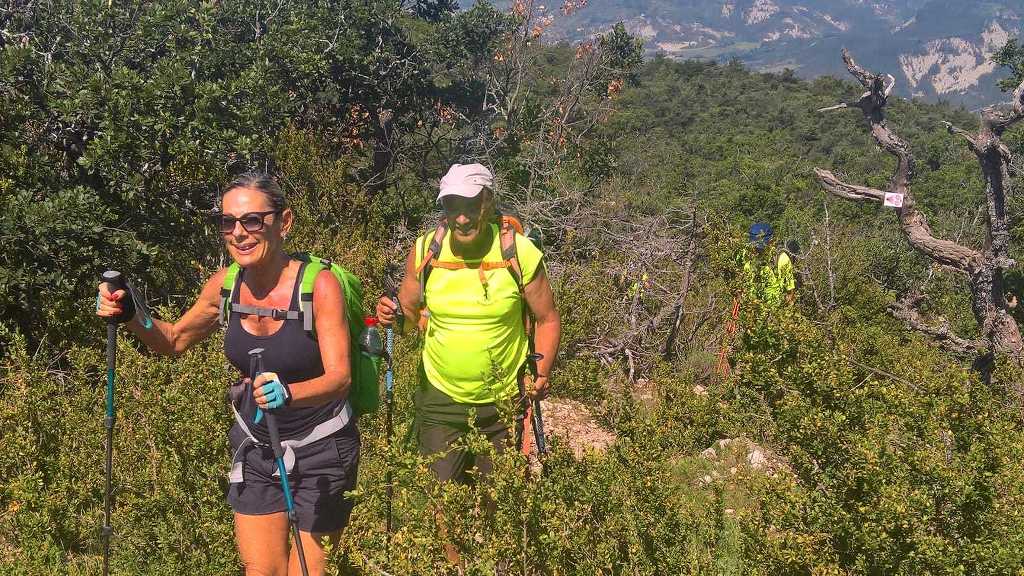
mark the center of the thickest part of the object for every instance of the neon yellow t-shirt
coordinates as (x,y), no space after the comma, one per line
(475,341)
(769,284)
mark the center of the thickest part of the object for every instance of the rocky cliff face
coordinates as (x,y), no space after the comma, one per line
(937,49)
(953,65)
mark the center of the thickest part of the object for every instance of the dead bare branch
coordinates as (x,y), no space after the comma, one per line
(848,191)
(840,106)
(691,252)
(984,269)
(963,133)
(906,309)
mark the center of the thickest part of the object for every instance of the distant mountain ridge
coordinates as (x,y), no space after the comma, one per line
(937,49)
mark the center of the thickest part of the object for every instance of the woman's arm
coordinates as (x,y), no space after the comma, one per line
(334,339)
(168,338)
(547,328)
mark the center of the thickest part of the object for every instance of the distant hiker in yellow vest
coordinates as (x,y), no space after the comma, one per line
(767,283)
(479,284)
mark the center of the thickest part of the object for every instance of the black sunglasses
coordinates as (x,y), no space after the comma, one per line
(452,205)
(251,221)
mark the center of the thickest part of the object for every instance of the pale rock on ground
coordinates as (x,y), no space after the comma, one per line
(645,393)
(736,454)
(575,425)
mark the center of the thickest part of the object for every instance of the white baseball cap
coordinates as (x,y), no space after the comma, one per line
(466,180)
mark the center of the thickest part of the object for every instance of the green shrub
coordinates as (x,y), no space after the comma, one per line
(905,463)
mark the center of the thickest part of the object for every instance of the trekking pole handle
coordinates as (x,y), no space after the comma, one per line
(114,278)
(532,360)
(538,418)
(132,303)
(116,281)
(538,428)
(399,314)
(275,435)
(256,368)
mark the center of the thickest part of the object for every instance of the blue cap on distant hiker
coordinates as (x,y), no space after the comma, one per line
(761,234)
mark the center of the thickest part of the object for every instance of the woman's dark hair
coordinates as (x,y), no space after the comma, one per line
(260,181)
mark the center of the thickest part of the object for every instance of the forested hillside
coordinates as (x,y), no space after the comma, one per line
(834,440)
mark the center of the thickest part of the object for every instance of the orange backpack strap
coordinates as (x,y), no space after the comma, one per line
(509,257)
(429,259)
(509,252)
(434,250)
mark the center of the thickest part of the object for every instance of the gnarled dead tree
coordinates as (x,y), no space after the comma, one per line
(984,268)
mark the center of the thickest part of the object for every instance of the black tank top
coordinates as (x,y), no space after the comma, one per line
(293,354)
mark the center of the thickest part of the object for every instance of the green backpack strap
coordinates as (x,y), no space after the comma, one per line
(350,285)
(227,292)
(313,267)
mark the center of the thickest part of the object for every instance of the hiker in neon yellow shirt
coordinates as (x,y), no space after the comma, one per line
(771,285)
(476,339)
(478,284)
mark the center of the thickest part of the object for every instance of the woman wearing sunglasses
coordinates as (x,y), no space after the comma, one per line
(307,383)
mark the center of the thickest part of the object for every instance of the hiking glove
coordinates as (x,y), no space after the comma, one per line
(274,391)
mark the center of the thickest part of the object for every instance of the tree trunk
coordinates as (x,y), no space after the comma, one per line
(383,152)
(691,251)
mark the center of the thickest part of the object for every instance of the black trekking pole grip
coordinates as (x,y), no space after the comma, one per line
(115,279)
(118,282)
(399,314)
(538,418)
(275,435)
(538,428)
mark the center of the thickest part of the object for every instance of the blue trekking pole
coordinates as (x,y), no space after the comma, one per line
(255,369)
(389,396)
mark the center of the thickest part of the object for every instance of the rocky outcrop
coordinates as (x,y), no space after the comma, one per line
(732,456)
(954,65)
(942,47)
(760,12)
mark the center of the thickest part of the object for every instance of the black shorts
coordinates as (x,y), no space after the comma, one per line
(323,472)
(441,421)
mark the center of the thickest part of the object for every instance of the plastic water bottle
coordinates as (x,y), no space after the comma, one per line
(371,341)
